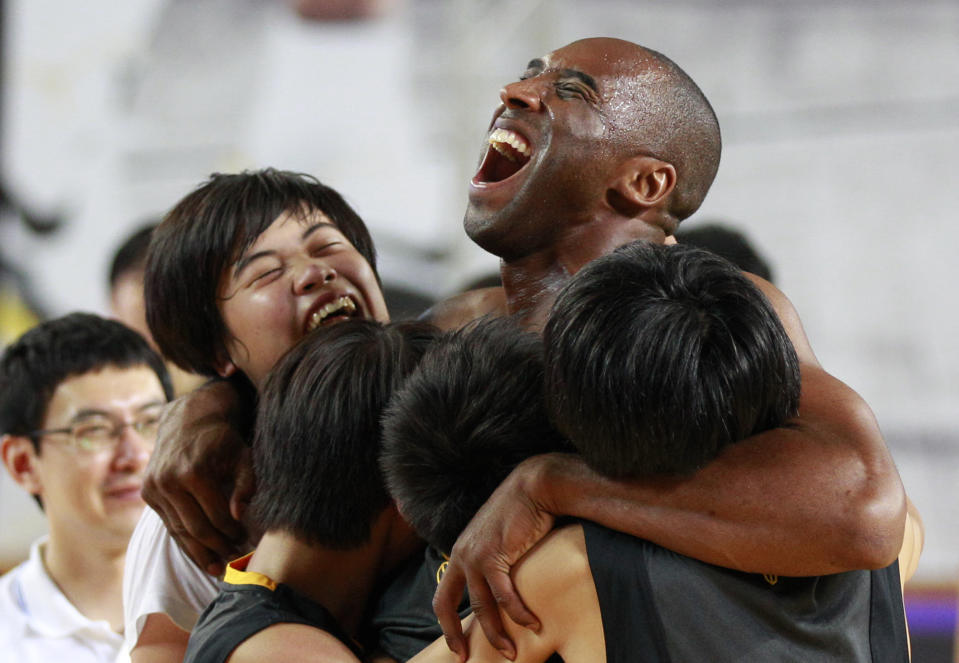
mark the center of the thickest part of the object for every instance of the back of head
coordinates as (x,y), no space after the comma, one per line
(729,243)
(471,411)
(126,281)
(131,255)
(658,357)
(316,441)
(33,367)
(204,234)
(663,113)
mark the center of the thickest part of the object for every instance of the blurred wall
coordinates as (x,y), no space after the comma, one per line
(840,119)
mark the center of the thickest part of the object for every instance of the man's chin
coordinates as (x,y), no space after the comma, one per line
(485,233)
(124,514)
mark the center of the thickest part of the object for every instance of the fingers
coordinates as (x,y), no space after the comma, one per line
(485,609)
(216,522)
(203,557)
(199,538)
(446,600)
(485,602)
(150,493)
(244,485)
(508,599)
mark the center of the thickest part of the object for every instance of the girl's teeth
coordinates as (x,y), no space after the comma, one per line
(343,303)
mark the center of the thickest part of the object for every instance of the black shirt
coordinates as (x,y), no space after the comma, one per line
(660,606)
(243,609)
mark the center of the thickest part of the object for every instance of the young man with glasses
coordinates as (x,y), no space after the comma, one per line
(80,399)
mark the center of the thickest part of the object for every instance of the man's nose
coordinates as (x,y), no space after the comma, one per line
(311,274)
(133,448)
(527,94)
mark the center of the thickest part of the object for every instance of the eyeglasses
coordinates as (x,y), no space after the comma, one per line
(102,433)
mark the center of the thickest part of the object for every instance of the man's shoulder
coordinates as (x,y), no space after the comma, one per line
(556,564)
(257,622)
(556,583)
(292,643)
(461,309)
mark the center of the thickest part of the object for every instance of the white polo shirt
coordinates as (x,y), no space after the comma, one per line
(39,625)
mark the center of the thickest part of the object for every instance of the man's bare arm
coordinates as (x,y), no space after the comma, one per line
(160,641)
(292,643)
(818,496)
(201,464)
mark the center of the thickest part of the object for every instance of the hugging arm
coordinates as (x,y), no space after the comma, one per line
(160,641)
(820,495)
(556,580)
(200,465)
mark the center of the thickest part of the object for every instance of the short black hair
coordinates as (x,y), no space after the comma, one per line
(728,242)
(205,233)
(132,253)
(317,434)
(33,367)
(658,357)
(471,411)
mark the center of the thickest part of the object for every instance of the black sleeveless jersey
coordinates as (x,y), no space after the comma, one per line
(403,618)
(661,607)
(244,609)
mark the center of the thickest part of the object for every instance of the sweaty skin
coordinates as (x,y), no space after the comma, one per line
(822,496)
(556,580)
(818,496)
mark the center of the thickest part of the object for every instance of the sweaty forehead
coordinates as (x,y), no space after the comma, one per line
(600,57)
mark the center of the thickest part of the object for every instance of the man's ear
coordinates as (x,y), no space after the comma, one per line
(20,458)
(224,365)
(225,368)
(640,183)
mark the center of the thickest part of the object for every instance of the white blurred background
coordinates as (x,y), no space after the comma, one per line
(840,122)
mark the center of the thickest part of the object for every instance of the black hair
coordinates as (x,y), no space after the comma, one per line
(204,234)
(317,433)
(729,243)
(471,411)
(33,366)
(658,357)
(132,253)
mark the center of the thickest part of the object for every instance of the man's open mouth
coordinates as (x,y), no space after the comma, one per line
(337,310)
(510,152)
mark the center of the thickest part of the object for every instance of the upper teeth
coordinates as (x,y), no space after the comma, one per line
(499,137)
(344,303)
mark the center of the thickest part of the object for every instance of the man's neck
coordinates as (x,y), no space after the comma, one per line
(342,581)
(531,283)
(90,576)
(531,286)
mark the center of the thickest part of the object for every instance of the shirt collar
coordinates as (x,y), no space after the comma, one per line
(236,574)
(47,610)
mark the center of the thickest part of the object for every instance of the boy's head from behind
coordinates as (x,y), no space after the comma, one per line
(659,356)
(204,244)
(471,411)
(317,436)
